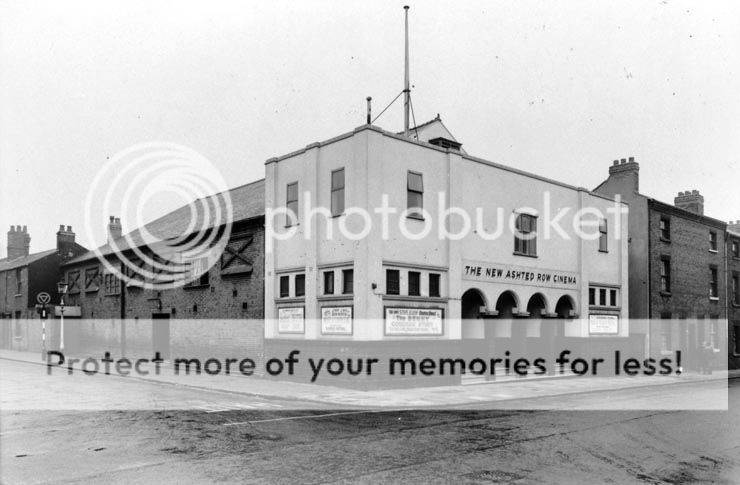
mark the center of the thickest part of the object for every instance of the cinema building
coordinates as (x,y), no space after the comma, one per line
(389,293)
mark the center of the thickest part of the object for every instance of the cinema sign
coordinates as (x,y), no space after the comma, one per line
(518,275)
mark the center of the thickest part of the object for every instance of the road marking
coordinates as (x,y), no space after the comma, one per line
(221,407)
(313,416)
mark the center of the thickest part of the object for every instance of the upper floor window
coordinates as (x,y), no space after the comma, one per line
(665,229)
(73,281)
(602,236)
(713,241)
(92,279)
(525,236)
(392,284)
(414,283)
(736,289)
(713,289)
(415,194)
(348,281)
(18,281)
(300,285)
(603,296)
(434,287)
(284,286)
(199,274)
(665,274)
(337,192)
(111,284)
(328,282)
(291,204)
(735,248)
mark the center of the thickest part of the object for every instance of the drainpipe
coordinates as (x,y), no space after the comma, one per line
(123,312)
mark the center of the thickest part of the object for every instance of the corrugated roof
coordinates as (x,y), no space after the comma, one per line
(248,201)
(6,264)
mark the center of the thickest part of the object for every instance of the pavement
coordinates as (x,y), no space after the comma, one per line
(443,396)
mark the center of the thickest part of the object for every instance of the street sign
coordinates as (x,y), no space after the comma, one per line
(43,298)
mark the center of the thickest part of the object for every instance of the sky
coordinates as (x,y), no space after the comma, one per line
(557,88)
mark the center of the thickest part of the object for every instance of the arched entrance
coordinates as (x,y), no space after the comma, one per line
(506,304)
(473,326)
(471,303)
(564,310)
(535,342)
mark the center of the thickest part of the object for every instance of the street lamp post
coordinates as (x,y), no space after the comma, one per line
(62,290)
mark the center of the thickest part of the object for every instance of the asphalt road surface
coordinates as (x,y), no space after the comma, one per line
(242,439)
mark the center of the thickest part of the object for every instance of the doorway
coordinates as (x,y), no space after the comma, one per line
(161,334)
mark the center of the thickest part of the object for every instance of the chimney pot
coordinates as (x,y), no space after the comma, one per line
(112,218)
(616,162)
(632,159)
(61,227)
(623,161)
(695,192)
(69,228)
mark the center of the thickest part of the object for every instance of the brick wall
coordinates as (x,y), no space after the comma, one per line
(237,300)
(690,261)
(733,266)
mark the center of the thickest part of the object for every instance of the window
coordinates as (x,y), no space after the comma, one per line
(602,236)
(18,281)
(434,284)
(713,290)
(291,204)
(111,284)
(735,249)
(199,274)
(712,241)
(525,236)
(665,332)
(736,347)
(665,229)
(73,282)
(284,286)
(392,286)
(348,281)
(714,329)
(414,283)
(665,274)
(92,279)
(300,285)
(736,289)
(415,195)
(328,282)
(337,192)
(603,296)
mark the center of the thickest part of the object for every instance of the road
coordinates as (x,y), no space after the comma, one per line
(241,439)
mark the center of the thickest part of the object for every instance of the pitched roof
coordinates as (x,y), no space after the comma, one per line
(6,264)
(431,130)
(247,201)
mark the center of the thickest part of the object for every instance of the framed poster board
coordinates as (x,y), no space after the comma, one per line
(336,320)
(603,324)
(403,321)
(291,320)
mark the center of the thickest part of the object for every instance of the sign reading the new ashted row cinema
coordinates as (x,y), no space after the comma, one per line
(518,275)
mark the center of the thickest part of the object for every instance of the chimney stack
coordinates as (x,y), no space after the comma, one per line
(19,242)
(626,169)
(115,230)
(65,241)
(691,201)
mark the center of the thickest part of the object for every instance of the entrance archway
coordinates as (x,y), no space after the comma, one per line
(564,310)
(471,303)
(507,304)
